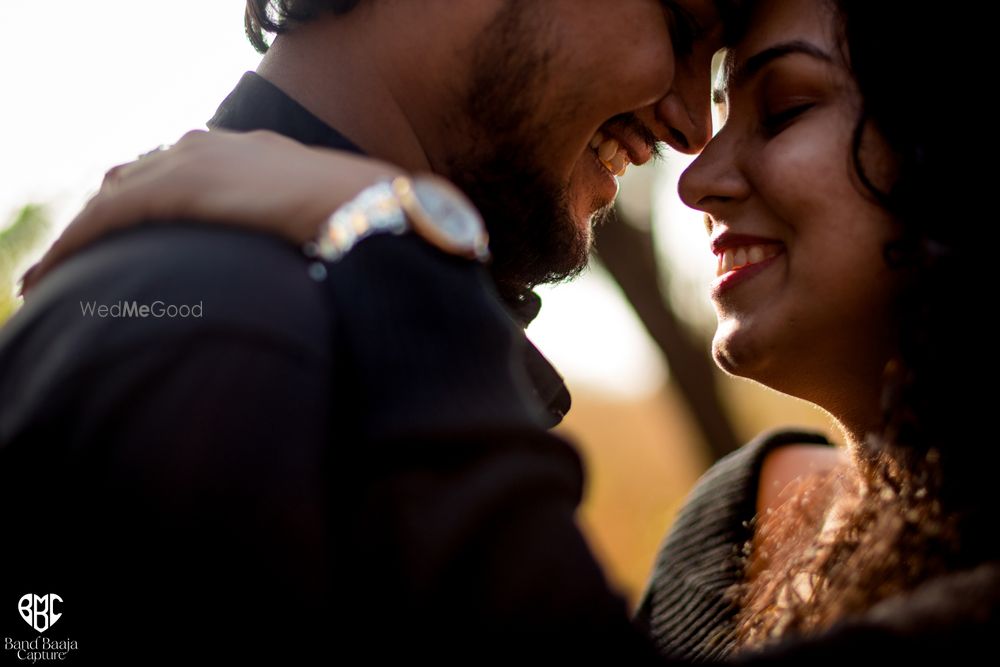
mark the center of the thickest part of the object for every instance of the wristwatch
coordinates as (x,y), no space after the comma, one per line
(428,205)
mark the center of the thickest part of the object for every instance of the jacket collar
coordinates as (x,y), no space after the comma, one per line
(258,104)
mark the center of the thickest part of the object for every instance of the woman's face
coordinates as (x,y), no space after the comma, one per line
(812,318)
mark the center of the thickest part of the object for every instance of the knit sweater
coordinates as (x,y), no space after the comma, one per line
(685,610)
(685,607)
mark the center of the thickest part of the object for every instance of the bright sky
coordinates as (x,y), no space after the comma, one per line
(90,85)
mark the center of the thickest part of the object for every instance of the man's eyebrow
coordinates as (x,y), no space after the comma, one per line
(737,76)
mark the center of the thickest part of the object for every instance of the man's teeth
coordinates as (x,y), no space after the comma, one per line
(610,153)
(734,258)
(607,149)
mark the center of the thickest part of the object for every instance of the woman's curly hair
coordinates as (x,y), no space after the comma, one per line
(917,504)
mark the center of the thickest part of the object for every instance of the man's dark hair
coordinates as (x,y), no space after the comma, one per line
(277,16)
(735,18)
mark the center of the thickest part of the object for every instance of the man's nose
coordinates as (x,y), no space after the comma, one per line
(688,127)
(685,112)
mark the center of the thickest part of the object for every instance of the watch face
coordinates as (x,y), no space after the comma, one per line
(455,218)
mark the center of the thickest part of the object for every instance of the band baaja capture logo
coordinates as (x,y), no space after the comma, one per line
(40,612)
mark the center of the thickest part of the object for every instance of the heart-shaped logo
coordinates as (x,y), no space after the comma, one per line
(39,611)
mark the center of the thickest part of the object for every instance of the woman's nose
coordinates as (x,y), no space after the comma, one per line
(714,178)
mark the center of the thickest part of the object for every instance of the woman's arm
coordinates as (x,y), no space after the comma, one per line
(259,180)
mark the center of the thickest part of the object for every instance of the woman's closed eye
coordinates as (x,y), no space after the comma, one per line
(785,94)
(775,122)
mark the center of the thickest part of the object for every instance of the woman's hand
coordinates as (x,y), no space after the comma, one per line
(259,180)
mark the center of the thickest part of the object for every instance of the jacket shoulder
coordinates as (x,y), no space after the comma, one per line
(431,344)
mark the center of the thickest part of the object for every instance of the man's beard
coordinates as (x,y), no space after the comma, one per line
(534,238)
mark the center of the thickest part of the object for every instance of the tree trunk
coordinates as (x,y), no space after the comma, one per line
(628,254)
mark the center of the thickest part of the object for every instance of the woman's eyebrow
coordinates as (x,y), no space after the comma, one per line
(737,76)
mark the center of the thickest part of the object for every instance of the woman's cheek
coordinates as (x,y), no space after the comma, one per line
(803,175)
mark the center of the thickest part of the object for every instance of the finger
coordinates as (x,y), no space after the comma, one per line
(192,135)
(112,175)
(122,171)
(37,271)
(119,202)
(97,218)
(26,281)
(156,150)
(119,172)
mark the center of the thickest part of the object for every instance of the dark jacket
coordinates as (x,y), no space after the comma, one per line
(360,463)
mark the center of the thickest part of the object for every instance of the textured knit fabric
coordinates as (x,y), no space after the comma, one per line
(951,619)
(684,607)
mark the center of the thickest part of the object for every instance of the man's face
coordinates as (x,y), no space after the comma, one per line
(561,94)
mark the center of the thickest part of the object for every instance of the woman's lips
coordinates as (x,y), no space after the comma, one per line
(737,276)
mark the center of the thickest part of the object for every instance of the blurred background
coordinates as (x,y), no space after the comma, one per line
(88,86)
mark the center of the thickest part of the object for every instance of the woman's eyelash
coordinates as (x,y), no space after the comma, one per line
(773,123)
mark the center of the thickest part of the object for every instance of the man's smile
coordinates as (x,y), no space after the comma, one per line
(622,141)
(610,153)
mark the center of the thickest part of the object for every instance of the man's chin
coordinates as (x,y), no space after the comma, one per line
(588,224)
(536,236)
(602,213)
(524,261)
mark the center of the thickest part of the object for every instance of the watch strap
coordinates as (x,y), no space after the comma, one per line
(375,209)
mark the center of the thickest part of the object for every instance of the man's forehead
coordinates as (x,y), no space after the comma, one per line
(719,21)
(707,13)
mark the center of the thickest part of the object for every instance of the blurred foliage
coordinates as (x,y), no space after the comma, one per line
(19,241)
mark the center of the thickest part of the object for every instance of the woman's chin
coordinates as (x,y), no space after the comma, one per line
(726,361)
(764,361)
(729,348)
(738,354)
